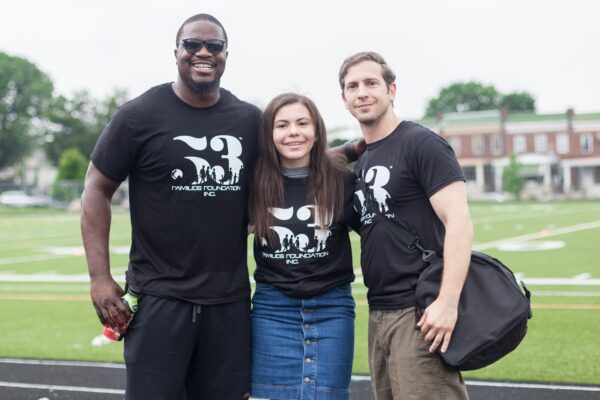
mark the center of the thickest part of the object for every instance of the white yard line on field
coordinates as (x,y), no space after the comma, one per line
(488,219)
(580,280)
(538,235)
(36,258)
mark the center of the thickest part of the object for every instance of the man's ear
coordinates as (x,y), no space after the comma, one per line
(392,91)
(344,100)
(175,54)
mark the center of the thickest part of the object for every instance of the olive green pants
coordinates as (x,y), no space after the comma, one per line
(402,368)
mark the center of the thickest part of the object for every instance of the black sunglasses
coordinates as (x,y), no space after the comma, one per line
(192,46)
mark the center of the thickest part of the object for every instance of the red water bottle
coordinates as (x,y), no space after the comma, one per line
(117,334)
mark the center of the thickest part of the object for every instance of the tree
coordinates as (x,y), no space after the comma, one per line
(473,96)
(464,96)
(72,166)
(337,142)
(77,122)
(512,181)
(25,93)
(518,101)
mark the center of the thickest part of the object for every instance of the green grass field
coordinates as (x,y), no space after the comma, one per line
(46,312)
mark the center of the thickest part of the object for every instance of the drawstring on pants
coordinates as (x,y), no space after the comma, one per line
(196,309)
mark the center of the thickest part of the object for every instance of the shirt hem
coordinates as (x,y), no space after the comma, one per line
(199,301)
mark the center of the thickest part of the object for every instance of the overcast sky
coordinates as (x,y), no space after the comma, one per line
(550,48)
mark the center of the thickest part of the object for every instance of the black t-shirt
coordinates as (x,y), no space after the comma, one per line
(188,169)
(401,172)
(306,260)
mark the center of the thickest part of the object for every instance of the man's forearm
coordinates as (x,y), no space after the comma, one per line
(457,256)
(95,228)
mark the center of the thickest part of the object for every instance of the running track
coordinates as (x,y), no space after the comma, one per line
(60,380)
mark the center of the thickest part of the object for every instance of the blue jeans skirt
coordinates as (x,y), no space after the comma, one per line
(302,348)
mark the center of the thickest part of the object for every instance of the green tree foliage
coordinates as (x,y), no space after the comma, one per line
(473,96)
(337,142)
(464,96)
(512,181)
(518,101)
(72,165)
(77,122)
(25,93)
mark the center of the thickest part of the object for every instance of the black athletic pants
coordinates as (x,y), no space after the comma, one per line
(183,351)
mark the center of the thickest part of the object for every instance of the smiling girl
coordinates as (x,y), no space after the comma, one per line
(303,310)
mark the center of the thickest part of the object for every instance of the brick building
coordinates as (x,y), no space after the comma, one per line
(559,153)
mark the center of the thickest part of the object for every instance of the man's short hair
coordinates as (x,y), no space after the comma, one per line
(386,72)
(200,17)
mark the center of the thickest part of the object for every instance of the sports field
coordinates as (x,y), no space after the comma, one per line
(45,310)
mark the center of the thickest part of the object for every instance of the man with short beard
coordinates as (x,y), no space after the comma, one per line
(187,148)
(410,175)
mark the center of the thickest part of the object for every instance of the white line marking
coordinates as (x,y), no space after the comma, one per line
(22,260)
(533,386)
(45,288)
(560,282)
(44,278)
(512,216)
(359,378)
(61,363)
(61,388)
(539,235)
(355,378)
(118,273)
(557,293)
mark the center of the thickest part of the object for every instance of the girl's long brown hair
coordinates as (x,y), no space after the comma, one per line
(325,187)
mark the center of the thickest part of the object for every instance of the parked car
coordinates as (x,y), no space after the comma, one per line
(492,196)
(18,198)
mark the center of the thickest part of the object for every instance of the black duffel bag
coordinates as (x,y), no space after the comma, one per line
(493,309)
(492,313)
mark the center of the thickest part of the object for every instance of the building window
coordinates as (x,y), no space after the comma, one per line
(586,143)
(497,145)
(519,144)
(541,143)
(454,142)
(478,145)
(562,143)
(470,173)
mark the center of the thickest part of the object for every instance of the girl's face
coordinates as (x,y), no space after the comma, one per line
(293,135)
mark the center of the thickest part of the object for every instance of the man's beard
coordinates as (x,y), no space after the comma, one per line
(202,88)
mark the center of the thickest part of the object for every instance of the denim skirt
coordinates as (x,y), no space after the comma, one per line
(302,348)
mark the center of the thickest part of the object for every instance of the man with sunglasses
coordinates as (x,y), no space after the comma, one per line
(187,148)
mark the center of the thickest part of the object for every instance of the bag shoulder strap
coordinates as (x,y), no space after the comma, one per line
(409,240)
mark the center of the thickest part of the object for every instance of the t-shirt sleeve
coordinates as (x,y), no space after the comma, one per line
(435,164)
(115,150)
